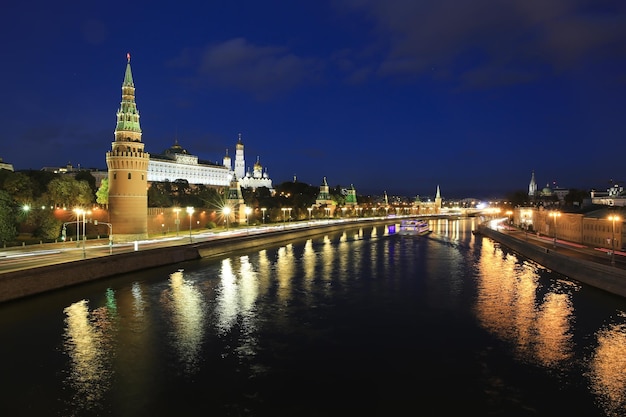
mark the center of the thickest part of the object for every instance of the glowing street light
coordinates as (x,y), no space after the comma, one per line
(263,210)
(555,214)
(248,210)
(84,213)
(190,212)
(613,219)
(226,213)
(284,209)
(310,209)
(177,221)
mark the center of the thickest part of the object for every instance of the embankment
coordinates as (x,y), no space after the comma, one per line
(601,276)
(24,283)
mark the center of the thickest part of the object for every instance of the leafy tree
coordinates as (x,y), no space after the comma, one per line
(46,225)
(67,191)
(159,195)
(102,194)
(576,197)
(8,229)
(87,176)
(518,198)
(20,187)
(209,197)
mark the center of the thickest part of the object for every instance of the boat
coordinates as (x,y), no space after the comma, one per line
(414,227)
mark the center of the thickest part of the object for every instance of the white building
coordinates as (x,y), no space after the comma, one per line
(176,163)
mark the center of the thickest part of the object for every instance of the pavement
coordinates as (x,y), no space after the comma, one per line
(573,249)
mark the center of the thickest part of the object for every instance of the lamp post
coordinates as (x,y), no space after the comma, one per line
(190,212)
(263,211)
(177,221)
(310,209)
(284,210)
(80,212)
(248,210)
(613,219)
(554,215)
(226,212)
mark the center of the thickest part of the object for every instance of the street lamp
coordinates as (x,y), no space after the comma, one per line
(554,215)
(263,210)
(226,213)
(310,209)
(248,210)
(190,212)
(284,209)
(613,219)
(82,212)
(177,221)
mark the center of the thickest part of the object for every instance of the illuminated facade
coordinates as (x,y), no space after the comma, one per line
(176,163)
(127,165)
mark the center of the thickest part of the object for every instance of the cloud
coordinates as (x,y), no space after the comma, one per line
(263,71)
(510,39)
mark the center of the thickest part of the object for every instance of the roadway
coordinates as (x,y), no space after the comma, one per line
(564,247)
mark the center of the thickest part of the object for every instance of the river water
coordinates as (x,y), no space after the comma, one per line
(359,323)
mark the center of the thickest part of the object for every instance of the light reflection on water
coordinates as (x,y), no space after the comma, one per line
(607,372)
(237,300)
(187,316)
(87,345)
(507,305)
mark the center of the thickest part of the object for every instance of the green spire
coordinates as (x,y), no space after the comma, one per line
(128,77)
(128,115)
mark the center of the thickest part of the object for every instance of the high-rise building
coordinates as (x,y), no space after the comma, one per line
(127,164)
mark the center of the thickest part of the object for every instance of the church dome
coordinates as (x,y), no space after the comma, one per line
(175,149)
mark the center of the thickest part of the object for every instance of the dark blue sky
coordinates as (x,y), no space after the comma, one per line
(388,95)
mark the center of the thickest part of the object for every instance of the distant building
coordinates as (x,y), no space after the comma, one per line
(428,206)
(176,163)
(4,165)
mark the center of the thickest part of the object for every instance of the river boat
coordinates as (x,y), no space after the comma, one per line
(413,227)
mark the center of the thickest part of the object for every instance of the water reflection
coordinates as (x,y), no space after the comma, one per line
(187,316)
(608,369)
(87,345)
(507,305)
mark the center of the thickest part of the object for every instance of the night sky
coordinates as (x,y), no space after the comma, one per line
(387,95)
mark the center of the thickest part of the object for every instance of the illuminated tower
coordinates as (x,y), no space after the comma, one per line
(128,170)
(351,199)
(240,163)
(438,201)
(532,187)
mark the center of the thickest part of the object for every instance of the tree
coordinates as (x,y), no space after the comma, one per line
(8,229)
(20,187)
(102,195)
(67,191)
(46,225)
(159,195)
(89,178)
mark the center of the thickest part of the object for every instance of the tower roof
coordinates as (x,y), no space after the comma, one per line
(128,76)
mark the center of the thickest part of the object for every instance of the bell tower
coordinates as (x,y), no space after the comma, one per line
(127,164)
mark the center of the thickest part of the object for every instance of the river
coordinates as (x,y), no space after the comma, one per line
(362,322)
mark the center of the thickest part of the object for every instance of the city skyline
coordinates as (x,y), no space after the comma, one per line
(399,97)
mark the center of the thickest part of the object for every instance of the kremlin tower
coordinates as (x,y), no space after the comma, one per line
(127,164)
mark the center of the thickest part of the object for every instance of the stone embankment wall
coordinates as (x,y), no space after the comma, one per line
(601,276)
(24,283)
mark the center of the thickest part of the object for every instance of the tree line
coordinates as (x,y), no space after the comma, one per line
(28,198)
